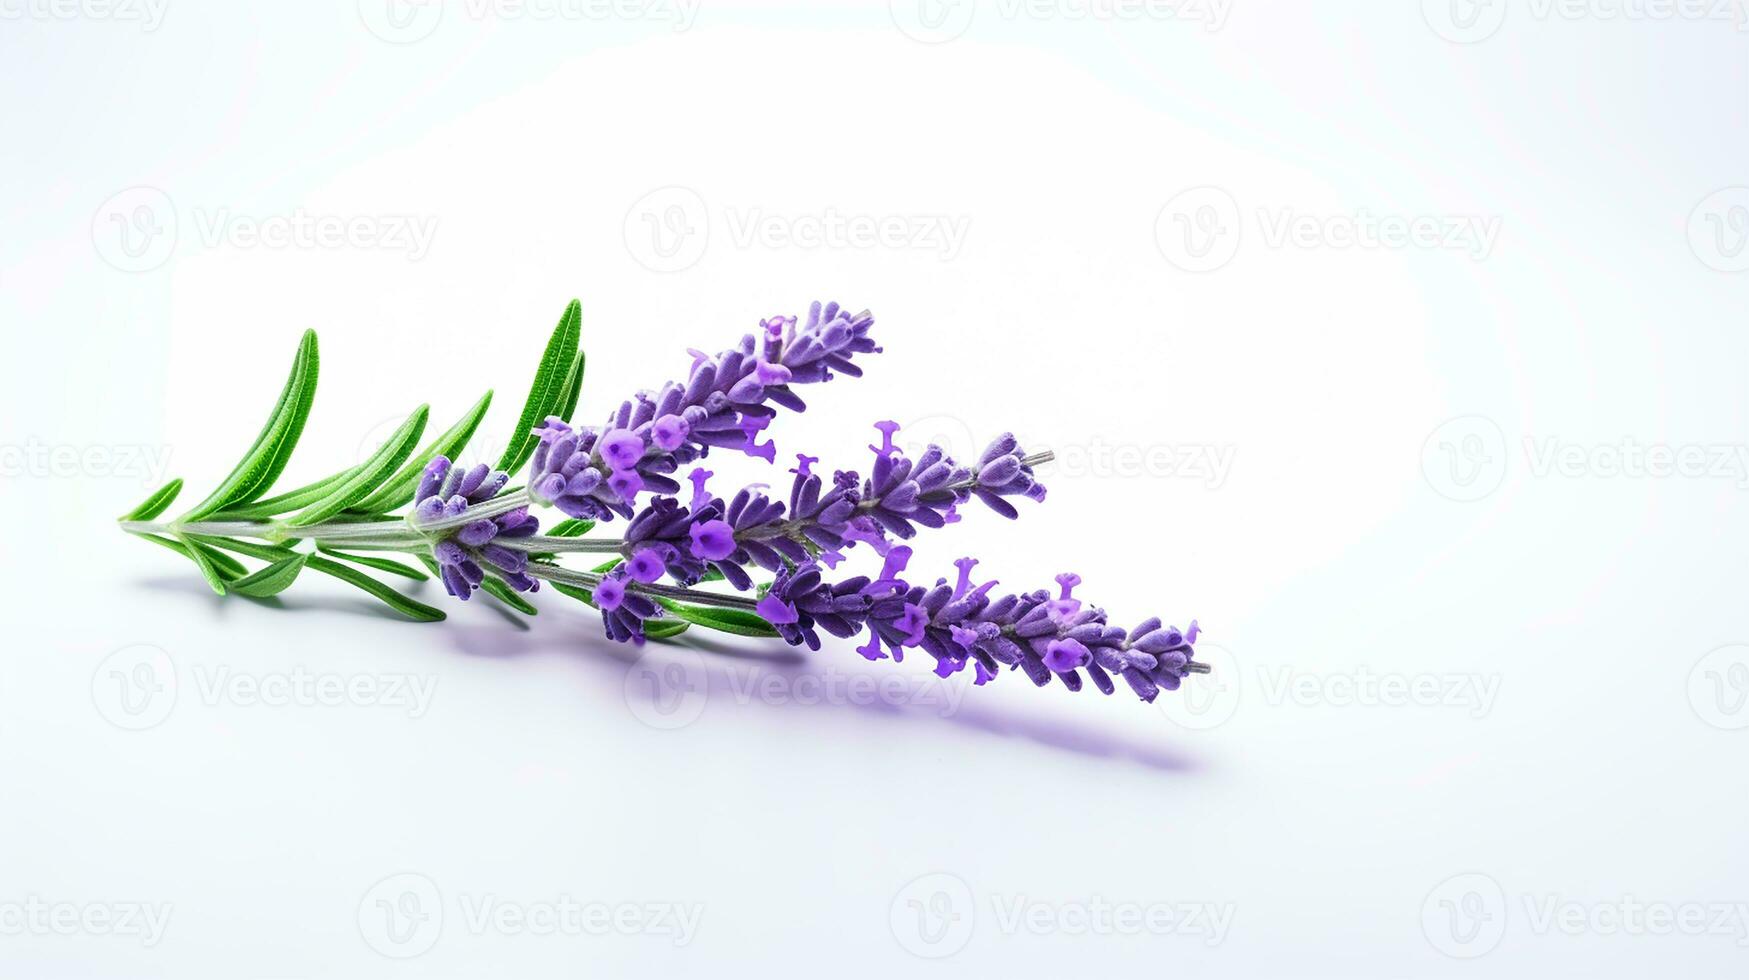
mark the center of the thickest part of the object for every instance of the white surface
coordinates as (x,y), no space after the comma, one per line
(1291,476)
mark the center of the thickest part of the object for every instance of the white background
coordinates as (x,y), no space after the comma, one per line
(1463,524)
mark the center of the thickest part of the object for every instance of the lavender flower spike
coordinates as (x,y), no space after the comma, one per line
(726,402)
(447,492)
(960,623)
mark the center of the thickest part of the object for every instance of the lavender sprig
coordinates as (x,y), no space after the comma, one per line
(595,473)
(476,533)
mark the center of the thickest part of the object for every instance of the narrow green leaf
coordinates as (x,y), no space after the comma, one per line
(372,561)
(156,504)
(283,503)
(544,395)
(737,621)
(505,594)
(271,580)
(575,592)
(567,402)
(662,629)
(571,527)
(227,566)
(397,491)
(368,475)
(404,605)
(266,459)
(205,564)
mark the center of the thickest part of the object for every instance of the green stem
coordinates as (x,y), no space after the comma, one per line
(589,580)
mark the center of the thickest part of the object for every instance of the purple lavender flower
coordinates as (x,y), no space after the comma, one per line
(726,402)
(446,493)
(959,624)
(623,611)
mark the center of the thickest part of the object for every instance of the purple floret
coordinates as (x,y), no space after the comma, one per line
(726,402)
(465,553)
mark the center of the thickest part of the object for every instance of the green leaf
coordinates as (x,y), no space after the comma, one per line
(662,629)
(505,594)
(156,504)
(737,621)
(227,566)
(368,475)
(372,561)
(571,527)
(573,387)
(266,459)
(575,592)
(271,580)
(546,394)
(199,556)
(404,605)
(289,501)
(397,492)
